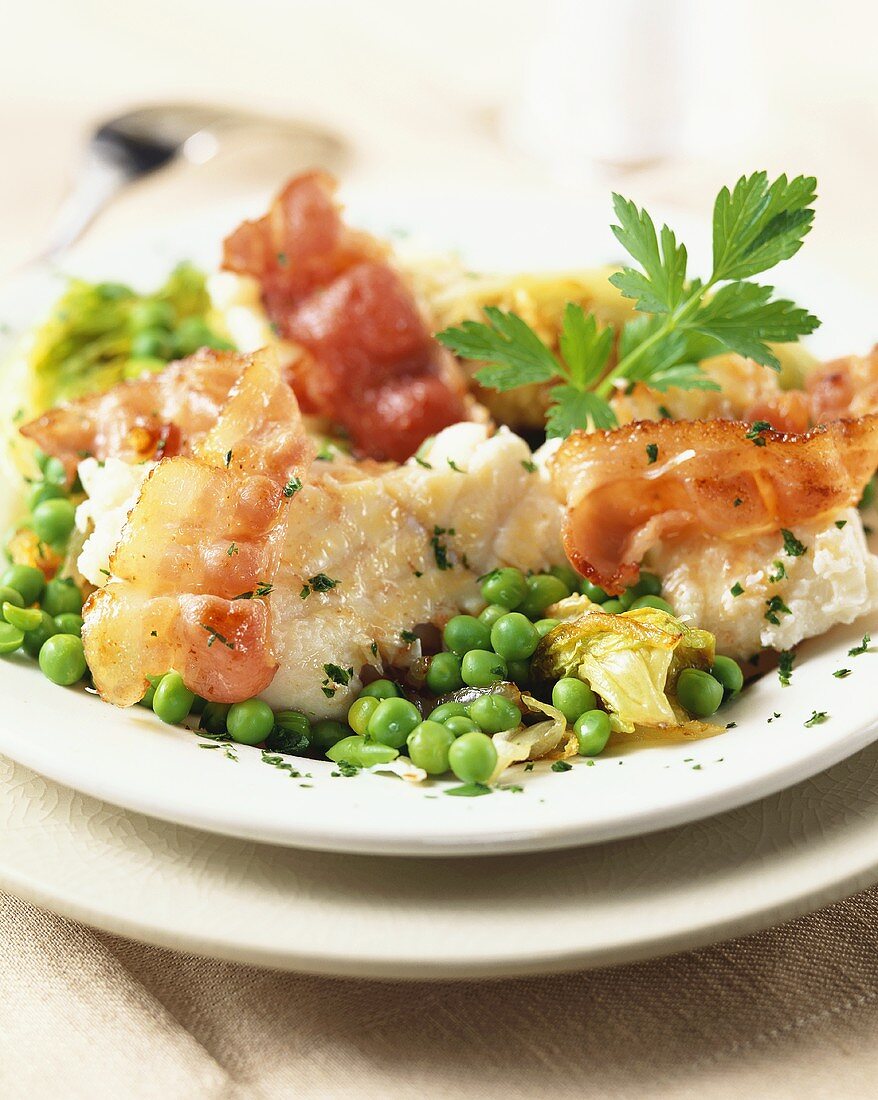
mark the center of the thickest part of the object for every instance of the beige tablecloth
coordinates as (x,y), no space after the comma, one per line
(789,1012)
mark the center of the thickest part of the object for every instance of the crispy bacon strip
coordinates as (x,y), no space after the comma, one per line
(191,575)
(709,477)
(844,387)
(371,364)
(151,417)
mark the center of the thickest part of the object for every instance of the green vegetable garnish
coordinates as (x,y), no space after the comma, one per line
(682,320)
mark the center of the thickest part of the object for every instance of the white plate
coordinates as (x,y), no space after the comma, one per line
(133,760)
(447,918)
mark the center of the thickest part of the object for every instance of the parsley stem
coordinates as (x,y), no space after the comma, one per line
(623,367)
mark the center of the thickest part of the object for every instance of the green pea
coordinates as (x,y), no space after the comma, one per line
(593,591)
(465,632)
(361,710)
(459,723)
(481,668)
(46,490)
(542,590)
(250,721)
(53,520)
(68,622)
(35,639)
(443,675)
(192,333)
(113,292)
(514,636)
(10,595)
(492,613)
(326,733)
(612,607)
(172,700)
(698,692)
(380,689)
(149,695)
(507,587)
(448,710)
(428,746)
(152,313)
(568,575)
(291,733)
(144,364)
(627,599)
(28,581)
(572,697)
(10,637)
(518,671)
(153,343)
(729,674)
(212,718)
(543,626)
(652,601)
(647,585)
(473,758)
(392,721)
(495,713)
(592,731)
(40,458)
(22,618)
(357,750)
(62,595)
(62,659)
(55,471)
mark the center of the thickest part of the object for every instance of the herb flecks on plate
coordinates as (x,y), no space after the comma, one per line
(682,320)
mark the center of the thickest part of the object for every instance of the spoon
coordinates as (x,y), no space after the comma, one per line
(136,144)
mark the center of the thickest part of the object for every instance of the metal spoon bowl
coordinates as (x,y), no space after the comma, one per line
(136,144)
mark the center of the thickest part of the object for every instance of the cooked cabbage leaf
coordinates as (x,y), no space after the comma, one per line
(631,661)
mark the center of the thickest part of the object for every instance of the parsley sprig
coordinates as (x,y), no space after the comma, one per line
(680,320)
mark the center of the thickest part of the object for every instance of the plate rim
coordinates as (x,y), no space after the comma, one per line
(741,792)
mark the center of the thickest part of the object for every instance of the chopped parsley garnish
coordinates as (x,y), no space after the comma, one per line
(729,726)
(863,647)
(282,259)
(318,583)
(228,752)
(457,469)
(233,549)
(529,766)
(839,523)
(345,769)
(774,607)
(651,453)
(292,487)
(737,589)
(423,462)
(792,547)
(530,466)
(373,648)
(153,634)
(228,458)
(818,717)
(106,572)
(779,573)
(561,766)
(757,224)
(408,636)
(325,453)
(338,675)
(440,549)
(737,502)
(277,761)
(785,666)
(756,430)
(469,790)
(841,673)
(215,636)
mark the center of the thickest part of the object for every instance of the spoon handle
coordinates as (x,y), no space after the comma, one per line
(99,180)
